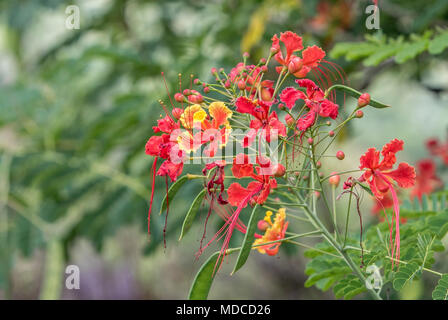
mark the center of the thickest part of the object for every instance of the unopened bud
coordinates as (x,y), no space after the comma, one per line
(295,65)
(310,141)
(340,155)
(241,85)
(279,170)
(179,97)
(363,100)
(331,133)
(359,114)
(334,179)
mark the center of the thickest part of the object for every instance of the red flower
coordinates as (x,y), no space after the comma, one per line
(380,179)
(314,99)
(263,120)
(292,43)
(378,175)
(311,56)
(426,181)
(259,189)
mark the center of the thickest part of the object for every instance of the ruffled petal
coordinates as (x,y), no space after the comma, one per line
(170,169)
(388,152)
(306,121)
(290,95)
(220,113)
(329,109)
(245,105)
(312,56)
(370,159)
(404,175)
(242,166)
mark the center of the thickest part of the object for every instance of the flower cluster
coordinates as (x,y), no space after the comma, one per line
(250,155)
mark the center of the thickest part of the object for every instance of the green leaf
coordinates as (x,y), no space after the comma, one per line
(172,191)
(438,43)
(405,275)
(356,94)
(248,240)
(441,290)
(349,287)
(204,278)
(191,214)
(411,50)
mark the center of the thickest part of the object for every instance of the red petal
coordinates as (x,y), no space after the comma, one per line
(328,109)
(292,42)
(170,169)
(245,105)
(242,166)
(152,146)
(306,121)
(237,194)
(388,152)
(370,159)
(404,175)
(290,95)
(312,56)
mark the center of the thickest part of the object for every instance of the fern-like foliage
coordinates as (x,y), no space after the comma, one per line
(421,235)
(378,48)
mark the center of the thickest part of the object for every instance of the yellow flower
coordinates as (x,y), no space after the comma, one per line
(192,115)
(274,232)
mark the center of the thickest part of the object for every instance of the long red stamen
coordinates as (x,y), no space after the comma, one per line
(167,210)
(396,247)
(154,166)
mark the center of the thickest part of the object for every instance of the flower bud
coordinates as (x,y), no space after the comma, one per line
(295,65)
(359,114)
(177,112)
(328,123)
(279,170)
(281,106)
(274,50)
(263,61)
(340,155)
(289,120)
(227,84)
(187,92)
(334,179)
(262,225)
(197,81)
(179,97)
(196,98)
(318,164)
(241,85)
(264,68)
(310,141)
(363,100)
(214,71)
(317,194)
(246,55)
(206,89)
(331,133)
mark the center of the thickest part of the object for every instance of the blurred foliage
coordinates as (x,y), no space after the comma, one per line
(77,106)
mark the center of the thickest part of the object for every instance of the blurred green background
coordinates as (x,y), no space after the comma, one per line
(77,106)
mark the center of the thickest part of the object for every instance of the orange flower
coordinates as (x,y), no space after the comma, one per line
(275,231)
